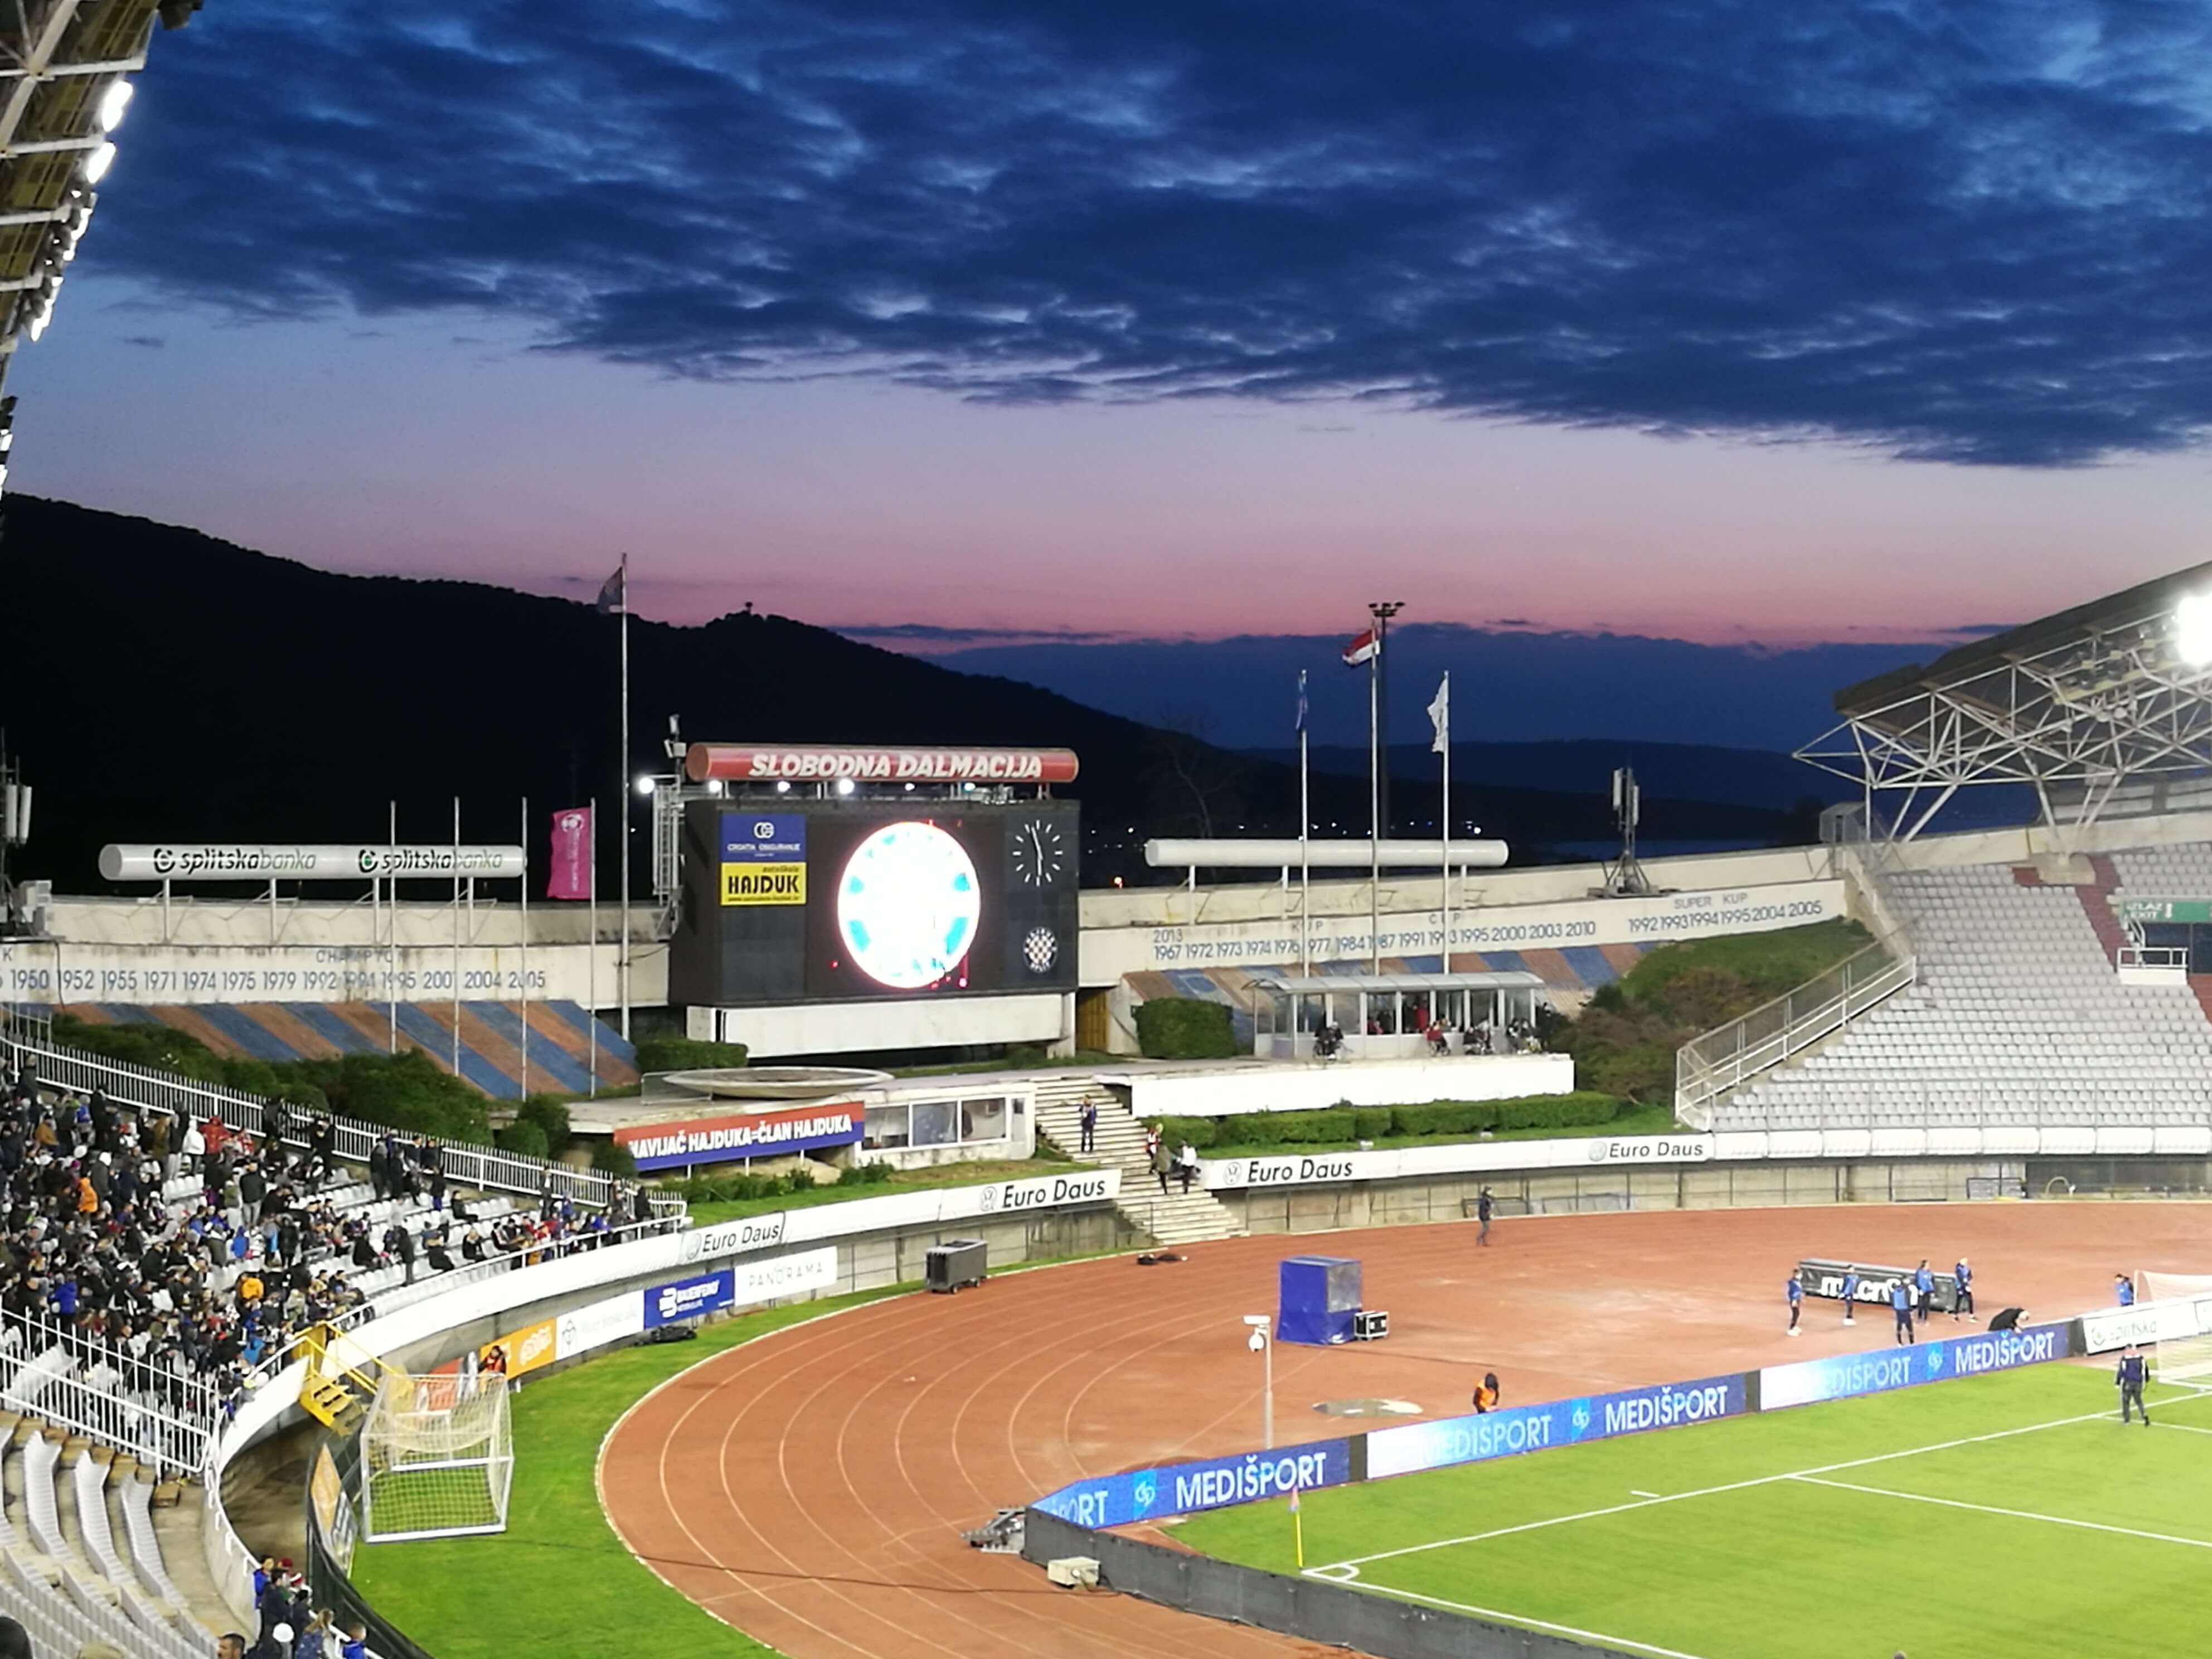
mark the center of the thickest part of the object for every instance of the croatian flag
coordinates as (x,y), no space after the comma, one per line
(1362,649)
(571,875)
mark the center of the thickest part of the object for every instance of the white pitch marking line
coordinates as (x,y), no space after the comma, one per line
(2185,1428)
(1522,1619)
(2017,1514)
(1712,1491)
(1633,1492)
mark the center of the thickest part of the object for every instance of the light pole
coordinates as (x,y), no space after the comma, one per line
(1259,1343)
(1378,776)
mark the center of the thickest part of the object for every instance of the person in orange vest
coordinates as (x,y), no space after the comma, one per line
(1486,1393)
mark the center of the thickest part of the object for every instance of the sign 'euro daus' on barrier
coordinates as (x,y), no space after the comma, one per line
(1115,1500)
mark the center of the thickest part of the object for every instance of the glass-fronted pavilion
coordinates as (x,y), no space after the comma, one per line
(1387,1015)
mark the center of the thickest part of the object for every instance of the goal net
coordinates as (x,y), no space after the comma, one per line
(2185,1359)
(436,1457)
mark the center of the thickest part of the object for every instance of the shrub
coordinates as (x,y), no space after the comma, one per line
(688,1054)
(551,1115)
(1184,1028)
(872,1174)
(1201,1131)
(524,1139)
(609,1159)
(1370,1123)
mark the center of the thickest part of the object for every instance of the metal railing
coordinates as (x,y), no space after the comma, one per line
(164,1418)
(151,1089)
(2173,957)
(1710,1067)
(1935,1107)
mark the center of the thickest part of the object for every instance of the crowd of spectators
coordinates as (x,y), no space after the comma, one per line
(182,1298)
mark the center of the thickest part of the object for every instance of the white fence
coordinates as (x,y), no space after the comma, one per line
(1710,1068)
(162,1418)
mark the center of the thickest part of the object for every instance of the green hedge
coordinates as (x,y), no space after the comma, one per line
(608,1159)
(1185,1027)
(688,1054)
(525,1140)
(1439,1120)
(723,1188)
(550,1115)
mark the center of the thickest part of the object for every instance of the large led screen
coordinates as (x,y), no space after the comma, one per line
(844,901)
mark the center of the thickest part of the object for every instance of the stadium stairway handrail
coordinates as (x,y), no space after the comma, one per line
(1713,1065)
(155,1089)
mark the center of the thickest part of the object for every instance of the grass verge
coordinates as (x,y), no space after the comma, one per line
(558,1581)
(707,1213)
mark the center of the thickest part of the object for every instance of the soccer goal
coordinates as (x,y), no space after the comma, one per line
(2185,1359)
(436,1458)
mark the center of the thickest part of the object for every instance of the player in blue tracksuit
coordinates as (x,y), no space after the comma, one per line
(2129,1376)
(1794,1292)
(1900,1305)
(1851,1293)
(2123,1291)
(1924,1289)
(1963,1300)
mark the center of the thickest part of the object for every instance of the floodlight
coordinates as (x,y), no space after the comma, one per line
(108,115)
(644,785)
(782,786)
(2192,629)
(844,786)
(97,161)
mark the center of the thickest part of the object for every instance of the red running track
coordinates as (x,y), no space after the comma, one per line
(810,1487)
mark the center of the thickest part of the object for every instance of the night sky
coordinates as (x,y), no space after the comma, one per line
(1730,322)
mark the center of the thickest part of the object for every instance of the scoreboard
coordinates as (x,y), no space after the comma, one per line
(840,900)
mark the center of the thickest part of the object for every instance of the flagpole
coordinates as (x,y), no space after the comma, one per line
(391,929)
(1444,845)
(623,971)
(525,947)
(1305,860)
(457,936)
(592,947)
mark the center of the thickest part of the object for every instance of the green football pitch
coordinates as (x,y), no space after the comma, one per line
(2006,1515)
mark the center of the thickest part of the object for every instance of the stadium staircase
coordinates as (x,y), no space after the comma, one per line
(1179,1217)
(343,1377)
(82,1559)
(2017,1016)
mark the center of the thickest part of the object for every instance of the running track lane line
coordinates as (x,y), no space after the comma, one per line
(2016,1515)
(1707,1491)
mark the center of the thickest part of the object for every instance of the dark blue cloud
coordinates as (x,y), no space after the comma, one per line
(1966,234)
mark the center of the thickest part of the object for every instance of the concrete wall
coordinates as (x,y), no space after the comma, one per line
(1680,1187)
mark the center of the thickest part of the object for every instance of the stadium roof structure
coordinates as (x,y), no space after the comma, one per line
(2075,706)
(63,65)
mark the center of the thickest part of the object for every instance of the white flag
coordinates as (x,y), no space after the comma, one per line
(1440,716)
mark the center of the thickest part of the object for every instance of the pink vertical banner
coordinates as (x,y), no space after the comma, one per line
(569,875)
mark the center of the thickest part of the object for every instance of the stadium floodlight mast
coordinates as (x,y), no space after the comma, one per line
(1259,1344)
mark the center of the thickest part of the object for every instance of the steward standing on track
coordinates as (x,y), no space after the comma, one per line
(1900,1303)
(1924,1289)
(1963,1302)
(2129,1376)
(1795,1292)
(2123,1291)
(1851,1293)
(1484,1206)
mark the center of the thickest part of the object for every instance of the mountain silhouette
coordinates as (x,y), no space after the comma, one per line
(170,686)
